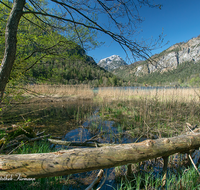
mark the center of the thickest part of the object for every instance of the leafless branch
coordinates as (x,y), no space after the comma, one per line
(135,48)
(76,28)
(5,4)
(34,63)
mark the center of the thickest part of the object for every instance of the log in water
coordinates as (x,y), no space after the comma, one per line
(79,160)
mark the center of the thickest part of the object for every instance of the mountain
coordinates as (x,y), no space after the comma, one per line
(76,68)
(112,62)
(127,71)
(175,55)
(175,60)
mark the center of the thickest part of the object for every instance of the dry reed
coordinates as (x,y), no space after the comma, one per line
(180,95)
(81,91)
(161,112)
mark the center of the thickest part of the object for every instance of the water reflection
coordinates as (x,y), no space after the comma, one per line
(105,132)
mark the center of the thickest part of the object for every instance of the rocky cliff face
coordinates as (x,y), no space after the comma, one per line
(112,62)
(172,57)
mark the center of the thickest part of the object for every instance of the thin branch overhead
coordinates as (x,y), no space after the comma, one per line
(80,13)
(123,17)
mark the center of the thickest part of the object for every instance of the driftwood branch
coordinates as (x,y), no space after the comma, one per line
(165,158)
(27,140)
(96,181)
(81,160)
(194,164)
(104,180)
(71,143)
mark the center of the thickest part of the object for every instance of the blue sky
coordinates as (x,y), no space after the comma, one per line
(178,19)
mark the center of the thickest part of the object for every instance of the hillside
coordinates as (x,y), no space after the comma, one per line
(174,61)
(45,56)
(78,68)
(127,71)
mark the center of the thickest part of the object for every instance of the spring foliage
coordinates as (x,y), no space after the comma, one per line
(45,55)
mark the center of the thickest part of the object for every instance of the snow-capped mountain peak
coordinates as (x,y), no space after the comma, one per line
(112,62)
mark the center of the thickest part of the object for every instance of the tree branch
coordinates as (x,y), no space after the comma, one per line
(135,48)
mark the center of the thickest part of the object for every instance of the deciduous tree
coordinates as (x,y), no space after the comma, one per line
(121,15)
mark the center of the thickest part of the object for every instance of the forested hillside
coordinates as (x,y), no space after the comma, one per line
(45,55)
(71,71)
(178,65)
(186,74)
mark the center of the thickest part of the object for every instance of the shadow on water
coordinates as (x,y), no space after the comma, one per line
(61,119)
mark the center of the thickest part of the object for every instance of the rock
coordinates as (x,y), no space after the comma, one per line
(112,62)
(172,57)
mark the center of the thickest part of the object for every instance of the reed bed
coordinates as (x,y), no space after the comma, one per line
(161,112)
(181,95)
(142,113)
(152,114)
(83,91)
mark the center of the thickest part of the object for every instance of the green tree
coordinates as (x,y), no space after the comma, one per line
(195,81)
(74,16)
(39,46)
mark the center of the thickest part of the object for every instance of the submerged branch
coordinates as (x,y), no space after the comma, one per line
(86,144)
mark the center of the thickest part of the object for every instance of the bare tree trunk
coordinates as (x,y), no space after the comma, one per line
(81,160)
(10,44)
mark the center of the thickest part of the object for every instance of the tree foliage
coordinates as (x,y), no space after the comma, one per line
(76,21)
(46,56)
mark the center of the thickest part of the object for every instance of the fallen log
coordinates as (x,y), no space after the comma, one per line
(81,160)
